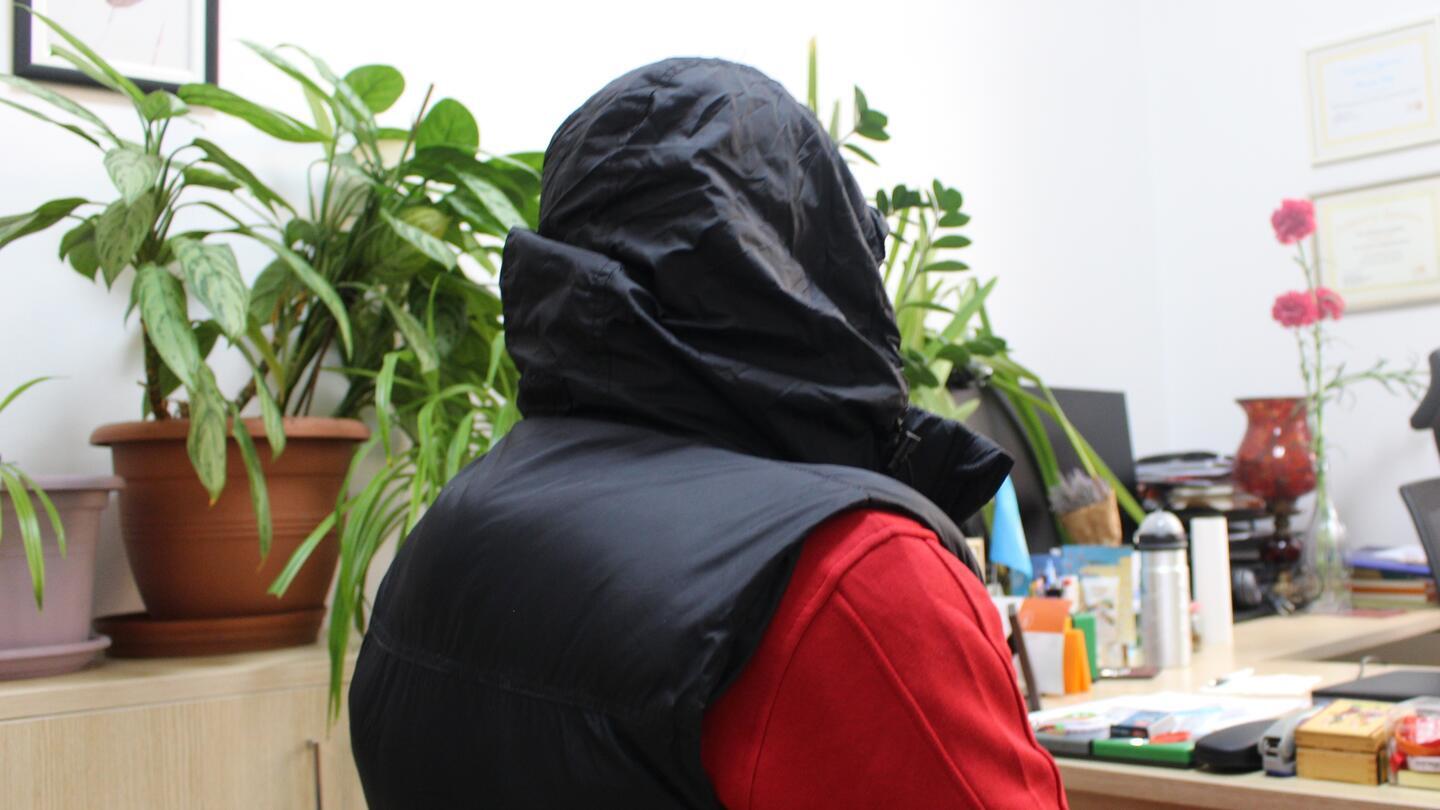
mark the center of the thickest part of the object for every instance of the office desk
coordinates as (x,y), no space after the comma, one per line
(1272,645)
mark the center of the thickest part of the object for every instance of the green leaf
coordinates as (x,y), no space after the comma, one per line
(414,335)
(14,227)
(271,122)
(270,415)
(951,241)
(206,335)
(206,442)
(320,113)
(20,389)
(865,156)
(432,247)
(508,417)
(493,199)
(317,284)
(392,134)
(297,560)
(162,311)
(119,233)
(132,170)
(944,267)
(57,526)
(861,105)
(259,494)
(450,124)
(213,276)
(29,530)
(950,200)
(62,102)
(379,86)
(160,104)
(221,158)
(954,219)
(114,78)
(459,445)
(287,67)
(47,119)
(812,80)
(200,176)
(384,388)
(272,286)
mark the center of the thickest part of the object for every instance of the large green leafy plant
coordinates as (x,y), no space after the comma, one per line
(406,225)
(945,330)
(173,266)
(20,487)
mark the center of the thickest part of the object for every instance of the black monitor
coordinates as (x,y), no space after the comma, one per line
(1099,416)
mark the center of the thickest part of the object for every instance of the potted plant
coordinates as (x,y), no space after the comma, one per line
(48,529)
(924,231)
(190,539)
(406,224)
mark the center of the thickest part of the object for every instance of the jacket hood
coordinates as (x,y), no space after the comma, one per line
(706,264)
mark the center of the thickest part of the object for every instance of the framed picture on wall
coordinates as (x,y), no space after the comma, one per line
(1379,246)
(160,44)
(1374,93)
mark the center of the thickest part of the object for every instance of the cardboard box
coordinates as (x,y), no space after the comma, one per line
(1346,725)
(1359,767)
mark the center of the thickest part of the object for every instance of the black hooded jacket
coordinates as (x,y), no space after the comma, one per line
(709,370)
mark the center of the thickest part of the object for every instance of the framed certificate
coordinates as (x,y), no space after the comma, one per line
(1374,93)
(1379,246)
(159,44)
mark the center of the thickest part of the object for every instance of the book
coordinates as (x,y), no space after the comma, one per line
(1415,779)
(1346,725)
(1409,560)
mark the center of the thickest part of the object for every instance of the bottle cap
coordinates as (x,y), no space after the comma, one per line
(1159,531)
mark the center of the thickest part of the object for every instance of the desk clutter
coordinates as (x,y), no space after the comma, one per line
(1363,742)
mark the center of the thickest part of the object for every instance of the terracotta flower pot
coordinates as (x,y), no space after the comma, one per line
(195,560)
(55,639)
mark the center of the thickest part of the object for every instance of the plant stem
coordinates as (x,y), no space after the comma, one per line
(159,409)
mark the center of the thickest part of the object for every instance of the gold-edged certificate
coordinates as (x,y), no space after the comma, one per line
(1374,93)
(1379,246)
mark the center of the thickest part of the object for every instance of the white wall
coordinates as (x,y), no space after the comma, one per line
(1013,103)
(1227,141)
(1119,159)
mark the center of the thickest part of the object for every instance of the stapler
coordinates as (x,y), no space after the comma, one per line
(1277,744)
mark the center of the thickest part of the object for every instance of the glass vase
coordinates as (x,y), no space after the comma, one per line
(1324,577)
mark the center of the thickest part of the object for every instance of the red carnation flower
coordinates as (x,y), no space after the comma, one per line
(1293,220)
(1330,304)
(1295,309)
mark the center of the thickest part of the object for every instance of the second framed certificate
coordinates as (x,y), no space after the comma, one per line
(1379,246)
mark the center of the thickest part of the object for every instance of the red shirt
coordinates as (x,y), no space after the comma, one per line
(883,681)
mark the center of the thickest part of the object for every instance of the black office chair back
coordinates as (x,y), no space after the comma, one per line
(1422,498)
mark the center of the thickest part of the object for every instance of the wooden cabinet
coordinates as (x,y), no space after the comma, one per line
(246,732)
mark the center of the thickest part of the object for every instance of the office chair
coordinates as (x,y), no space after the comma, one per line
(1422,498)
(1427,414)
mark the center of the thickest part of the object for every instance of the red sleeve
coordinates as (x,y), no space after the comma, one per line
(882,681)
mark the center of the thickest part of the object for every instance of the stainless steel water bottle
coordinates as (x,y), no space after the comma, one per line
(1164,590)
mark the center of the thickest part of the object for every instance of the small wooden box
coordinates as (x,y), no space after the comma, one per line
(1346,725)
(1359,767)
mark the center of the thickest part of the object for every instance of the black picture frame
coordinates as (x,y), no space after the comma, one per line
(24,66)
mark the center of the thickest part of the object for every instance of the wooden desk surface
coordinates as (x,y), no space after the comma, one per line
(1272,645)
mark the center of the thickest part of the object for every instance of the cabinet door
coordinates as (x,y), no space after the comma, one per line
(249,752)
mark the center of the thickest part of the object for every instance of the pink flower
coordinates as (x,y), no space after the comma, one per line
(1293,220)
(1295,309)
(1330,304)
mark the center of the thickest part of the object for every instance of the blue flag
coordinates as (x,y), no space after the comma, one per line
(1007,535)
